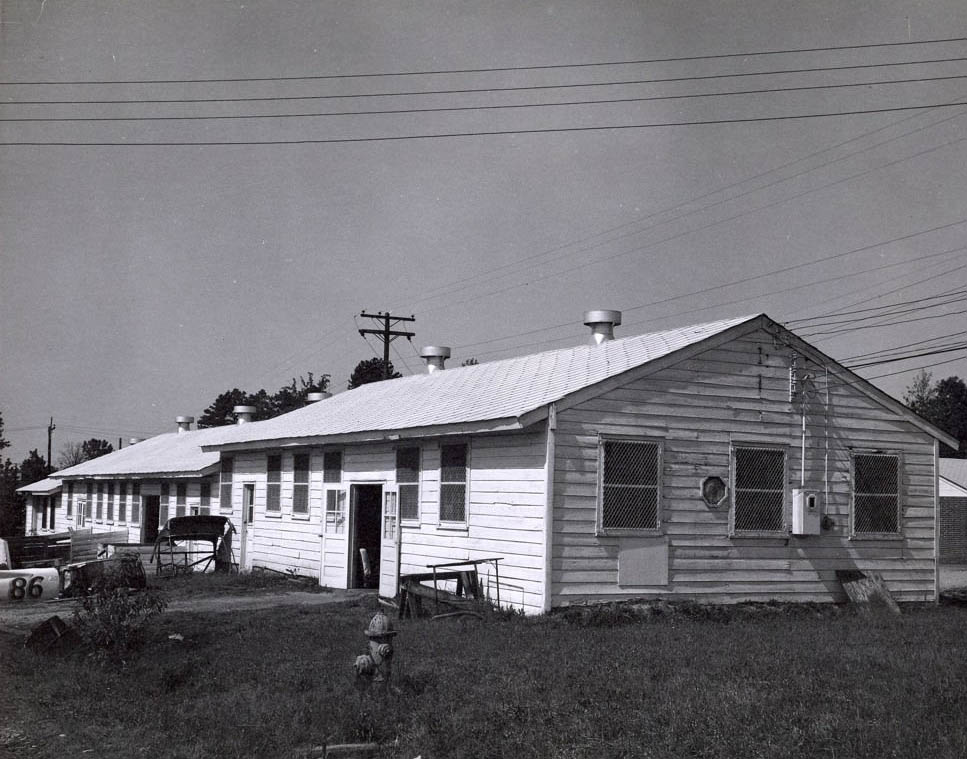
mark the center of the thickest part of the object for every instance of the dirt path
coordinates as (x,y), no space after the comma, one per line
(21,619)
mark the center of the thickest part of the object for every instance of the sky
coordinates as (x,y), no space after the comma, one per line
(140,276)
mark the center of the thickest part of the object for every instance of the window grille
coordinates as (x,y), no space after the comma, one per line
(629,493)
(408,482)
(181,499)
(273,493)
(99,514)
(225,491)
(759,478)
(300,486)
(332,466)
(164,503)
(123,502)
(135,502)
(335,512)
(70,498)
(205,498)
(876,493)
(389,516)
(453,483)
(110,502)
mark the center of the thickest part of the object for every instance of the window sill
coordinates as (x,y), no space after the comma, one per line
(891,536)
(645,532)
(301,517)
(453,526)
(273,515)
(415,523)
(780,534)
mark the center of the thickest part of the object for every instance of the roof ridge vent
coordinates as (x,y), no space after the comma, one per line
(602,324)
(243,414)
(184,423)
(435,356)
(315,397)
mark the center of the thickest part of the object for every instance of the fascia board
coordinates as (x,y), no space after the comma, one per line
(506,424)
(863,386)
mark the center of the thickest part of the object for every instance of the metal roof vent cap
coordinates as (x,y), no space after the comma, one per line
(435,355)
(184,423)
(316,397)
(135,440)
(602,324)
(243,414)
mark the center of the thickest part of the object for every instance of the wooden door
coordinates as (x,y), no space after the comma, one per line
(333,549)
(247,534)
(389,564)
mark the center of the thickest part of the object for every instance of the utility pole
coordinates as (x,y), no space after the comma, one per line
(50,438)
(387,334)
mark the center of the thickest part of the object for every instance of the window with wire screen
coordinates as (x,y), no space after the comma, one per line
(164,504)
(629,489)
(70,498)
(110,502)
(273,493)
(408,483)
(876,494)
(332,466)
(205,498)
(225,488)
(453,483)
(300,485)
(181,499)
(759,489)
(135,502)
(123,502)
(99,514)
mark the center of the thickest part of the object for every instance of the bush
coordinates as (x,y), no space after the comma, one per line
(111,620)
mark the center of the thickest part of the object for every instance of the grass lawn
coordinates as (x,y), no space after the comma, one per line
(776,682)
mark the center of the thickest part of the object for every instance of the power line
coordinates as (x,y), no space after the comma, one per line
(962,346)
(475,90)
(959,334)
(399,111)
(494,69)
(884,324)
(885,311)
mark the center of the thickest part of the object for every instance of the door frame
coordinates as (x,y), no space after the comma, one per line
(352,546)
(246,531)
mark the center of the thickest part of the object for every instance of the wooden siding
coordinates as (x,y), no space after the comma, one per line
(739,393)
(505,516)
(132,528)
(505,513)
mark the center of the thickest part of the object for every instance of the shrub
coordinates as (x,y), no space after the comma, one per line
(111,620)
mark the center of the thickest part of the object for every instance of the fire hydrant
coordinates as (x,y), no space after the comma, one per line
(377,664)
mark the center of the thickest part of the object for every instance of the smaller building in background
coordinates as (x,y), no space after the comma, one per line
(953,511)
(44,516)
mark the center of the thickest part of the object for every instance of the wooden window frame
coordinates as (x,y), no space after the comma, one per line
(181,499)
(205,498)
(783,530)
(135,517)
(300,486)
(110,503)
(273,485)
(658,445)
(164,504)
(455,523)
(99,509)
(406,485)
(327,469)
(870,535)
(334,519)
(226,481)
(69,505)
(122,502)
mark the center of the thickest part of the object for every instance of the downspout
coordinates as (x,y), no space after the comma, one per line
(936,520)
(549,504)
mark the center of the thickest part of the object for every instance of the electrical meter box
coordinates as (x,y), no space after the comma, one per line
(807,516)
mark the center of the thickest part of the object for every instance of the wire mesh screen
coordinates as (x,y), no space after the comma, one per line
(876,493)
(760,475)
(630,485)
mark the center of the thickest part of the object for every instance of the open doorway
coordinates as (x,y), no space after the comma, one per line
(152,512)
(366,501)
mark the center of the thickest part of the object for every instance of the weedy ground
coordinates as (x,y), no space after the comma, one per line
(679,681)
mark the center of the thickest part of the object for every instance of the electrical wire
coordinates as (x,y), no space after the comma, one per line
(493,69)
(398,111)
(489,90)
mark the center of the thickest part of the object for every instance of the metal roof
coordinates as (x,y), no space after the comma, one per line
(172,453)
(41,487)
(496,390)
(954,470)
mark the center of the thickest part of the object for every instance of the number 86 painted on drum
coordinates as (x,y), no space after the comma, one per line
(17,586)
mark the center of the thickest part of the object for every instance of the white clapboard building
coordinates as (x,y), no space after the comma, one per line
(722,461)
